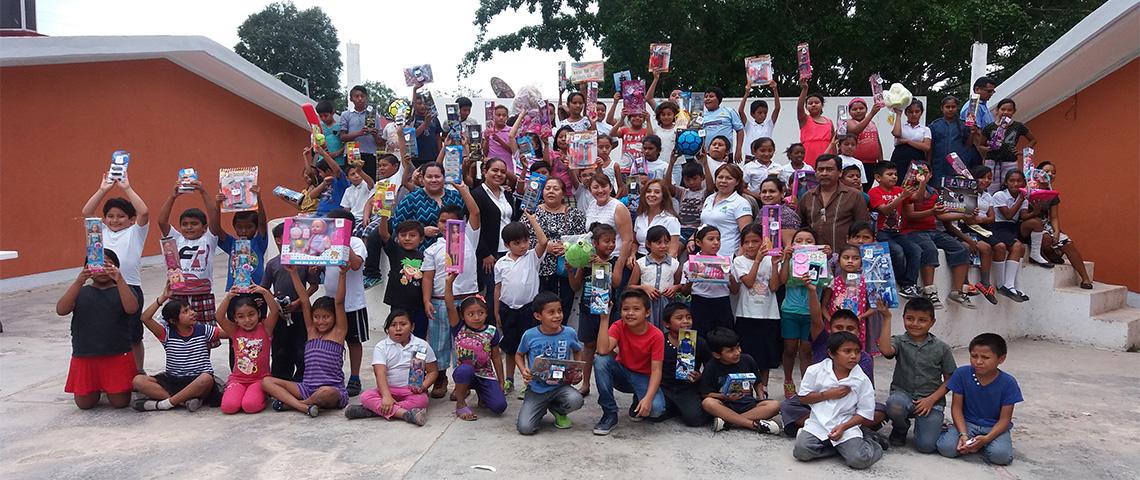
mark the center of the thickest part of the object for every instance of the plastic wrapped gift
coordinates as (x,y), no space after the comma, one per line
(897,97)
(579,249)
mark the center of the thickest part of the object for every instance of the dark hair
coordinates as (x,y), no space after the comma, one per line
(949,98)
(570,98)
(1011,173)
(666,105)
(1005,101)
(980,171)
(914,102)
(754,227)
(844,138)
(410,225)
(851,167)
(358,88)
(539,165)
(247,216)
(670,309)
(756,105)
(638,295)
(779,183)
(721,338)
(424,168)
(794,145)
(919,304)
(195,213)
(472,300)
(325,303)
(857,227)
(463,102)
(245,301)
(597,229)
(1044,164)
(827,157)
(761,141)
(692,169)
(394,314)
(121,204)
(340,213)
(838,339)
(542,299)
(723,138)
(884,166)
(487,164)
(565,128)
(703,232)
(279,230)
(656,233)
(982,81)
(453,209)
(388,157)
(171,310)
(814,237)
(845,314)
(654,139)
(816,95)
(325,106)
(719,92)
(845,248)
(504,107)
(607,138)
(994,341)
(515,231)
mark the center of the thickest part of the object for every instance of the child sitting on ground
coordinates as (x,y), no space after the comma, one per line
(630,357)
(550,340)
(189,376)
(842,401)
(922,370)
(404,365)
(196,239)
(323,385)
(101,357)
(479,363)
(982,411)
(739,409)
(289,335)
(355,306)
(250,339)
(682,396)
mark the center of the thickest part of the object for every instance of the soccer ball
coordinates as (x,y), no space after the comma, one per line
(689,142)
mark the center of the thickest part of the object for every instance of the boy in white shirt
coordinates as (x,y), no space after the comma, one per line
(516,284)
(354,304)
(847,146)
(357,194)
(842,401)
(197,240)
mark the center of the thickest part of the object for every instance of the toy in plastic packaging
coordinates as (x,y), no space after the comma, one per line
(998,136)
(841,120)
(174,275)
(917,172)
(579,249)
(738,384)
(562,79)
(94,230)
(897,97)
(533,193)
(352,154)
(418,74)
(660,54)
(430,102)
(958,194)
(712,269)
(418,370)
(802,182)
(243,265)
(399,110)
(489,113)
(186,178)
(554,371)
(316,135)
(583,149)
(119,161)
(811,261)
(452,161)
(771,222)
(581,72)
(958,165)
(972,109)
(876,89)
(525,154)
(620,78)
(634,196)
(686,353)
(315,241)
(879,274)
(236,186)
(291,196)
(683,116)
(454,234)
(411,148)
(384,199)
(696,110)
(452,110)
(633,97)
(601,278)
(758,69)
(803,61)
(592,101)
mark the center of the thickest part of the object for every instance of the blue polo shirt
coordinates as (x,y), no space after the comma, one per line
(983,403)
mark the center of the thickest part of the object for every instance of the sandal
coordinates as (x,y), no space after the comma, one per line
(789,390)
(1087,285)
(465,413)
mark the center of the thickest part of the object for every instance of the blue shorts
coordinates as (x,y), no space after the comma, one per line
(795,326)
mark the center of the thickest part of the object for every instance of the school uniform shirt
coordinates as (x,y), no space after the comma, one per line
(723,215)
(637,352)
(1004,199)
(828,414)
(196,257)
(722,121)
(405,276)
(787,170)
(758,301)
(128,244)
(99,325)
(258,244)
(668,141)
(658,274)
(819,354)
(754,131)
(849,161)
(669,365)
(355,197)
(398,358)
(716,373)
(519,278)
(706,289)
(354,279)
(435,264)
(982,404)
(755,173)
(392,133)
(188,356)
(985,203)
(643,223)
(353,121)
(914,133)
(474,347)
(889,222)
(559,346)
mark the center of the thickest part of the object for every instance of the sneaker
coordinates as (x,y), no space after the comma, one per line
(144,405)
(718,424)
(1013,294)
(770,427)
(910,291)
(358,411)
(961,299)
(353,386)
(193,404)
(898,438)
(522,392)
(878,438)
(509,386)
(370,281)
(277,405)
(416,416)
(931,294)
(987,291)
(313,411)
(562,421)
(606,424)
(970,290)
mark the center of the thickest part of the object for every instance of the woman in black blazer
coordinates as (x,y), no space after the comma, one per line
(496,209)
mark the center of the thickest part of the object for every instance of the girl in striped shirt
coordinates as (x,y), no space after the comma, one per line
(189,377)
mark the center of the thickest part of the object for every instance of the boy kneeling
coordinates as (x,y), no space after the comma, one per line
(635,368)
(737,408)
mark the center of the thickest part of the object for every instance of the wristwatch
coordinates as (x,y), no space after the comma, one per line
(964,434)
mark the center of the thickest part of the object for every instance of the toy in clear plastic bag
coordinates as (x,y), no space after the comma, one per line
(897,96)
(579,249)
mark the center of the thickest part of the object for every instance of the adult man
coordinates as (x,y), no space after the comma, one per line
(832,207)
(984,86)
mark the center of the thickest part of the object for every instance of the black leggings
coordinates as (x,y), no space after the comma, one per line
(561,286)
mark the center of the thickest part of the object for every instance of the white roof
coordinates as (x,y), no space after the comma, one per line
(200,55)
(1104,41)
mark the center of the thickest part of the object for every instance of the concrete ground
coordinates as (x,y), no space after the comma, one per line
(1081,419)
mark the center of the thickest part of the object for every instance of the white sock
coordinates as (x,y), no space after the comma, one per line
(165,404)
(1011,269)
(1035,247)
(997,273)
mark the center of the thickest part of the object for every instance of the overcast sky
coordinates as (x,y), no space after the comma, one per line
(450,35)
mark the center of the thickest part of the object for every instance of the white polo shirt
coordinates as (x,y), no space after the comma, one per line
(519,278)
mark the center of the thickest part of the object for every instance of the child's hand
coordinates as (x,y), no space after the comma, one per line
(233,292)
(923,405)
(671,291)
(694,376)
(809,284)
(971,445)
(220,197)
(451,278)
(84,275)
(652,292)
(343,269)
(827,250)
(644,407)
(882,307)
(113,272)
(386,404)
(803,84)
(526,375)
(732,397)
(108,182)
(836,433)
(429,309)
(836,393)
(617,95)
(431,231)
(788,251)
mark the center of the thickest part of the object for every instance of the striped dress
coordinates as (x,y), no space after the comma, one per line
(188,356)
(324,367)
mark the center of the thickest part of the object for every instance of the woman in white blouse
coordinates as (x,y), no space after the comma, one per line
(726,209)
(656,208)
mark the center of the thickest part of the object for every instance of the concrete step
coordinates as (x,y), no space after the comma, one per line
(1103,297)
(1066,276)
(1123,321)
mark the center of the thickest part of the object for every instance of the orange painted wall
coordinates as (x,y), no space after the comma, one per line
(60,123)
(1094,139)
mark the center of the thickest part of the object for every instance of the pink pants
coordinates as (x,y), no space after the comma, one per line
(246,397)
(405,399)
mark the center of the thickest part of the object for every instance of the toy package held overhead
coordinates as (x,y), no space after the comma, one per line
(583,149)
(315,241)
(452,110)
(489,113)
(411,148)
(660,54)
(418,74)
(525,154)
(592,101)
(454,235)
(384,199)
(601,278)
(399,110)
(119,161)
(186,177)
(620,78)
(841,120)
(553,371)
(697,110)
(686,353)
(770,220)
(683,116)
(738,384)
(917,172)
(174,276)
(475,142)
(959,194)
(758,69)
(243,265)
(802,182)
(876,89)
(316,137)
(352,154)
(633,97)
(803,61)
(532,194)
(708,269)
(291,196)
(811,261)
(958,165)
(236,186)
(581,72)
(430,102)
(94,229)
(879,274)
(418,371)
(634,196)
(452,162)
(562,79)
(972,109)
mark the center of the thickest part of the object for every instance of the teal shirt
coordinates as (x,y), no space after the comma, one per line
(332,141)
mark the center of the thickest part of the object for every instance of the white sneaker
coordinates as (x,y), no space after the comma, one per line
(768,426)
(931,293)
(718,424)
(961,299)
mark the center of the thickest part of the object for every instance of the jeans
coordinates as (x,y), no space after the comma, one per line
(610,375)
(997,452)
(905,256)
(927,428)
(932,240)
(561,400)
(857,453)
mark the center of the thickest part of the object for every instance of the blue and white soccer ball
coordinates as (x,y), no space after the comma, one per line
(689,142)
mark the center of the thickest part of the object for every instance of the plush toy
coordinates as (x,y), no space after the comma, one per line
(579,250)
(897,97)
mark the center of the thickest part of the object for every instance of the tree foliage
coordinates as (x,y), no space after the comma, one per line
(282,39)
(923,44)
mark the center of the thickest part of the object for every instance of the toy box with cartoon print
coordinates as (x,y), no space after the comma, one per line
(553,371)
(738,383)
(315,241)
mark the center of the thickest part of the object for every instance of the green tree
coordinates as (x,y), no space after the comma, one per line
(282,39)
(379,95)
(923,44)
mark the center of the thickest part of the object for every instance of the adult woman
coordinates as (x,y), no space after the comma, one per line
(912,140)
(772,193)
(423,203)
(949,134)
(608,210)
(816,129)
(496,210)
(556,219)
(656,208)
(726,209)
(861,125)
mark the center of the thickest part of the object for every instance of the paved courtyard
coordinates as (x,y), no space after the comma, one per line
(1081,419)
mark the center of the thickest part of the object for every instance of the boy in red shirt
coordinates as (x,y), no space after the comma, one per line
(920,216)
(886,200)
(635,368)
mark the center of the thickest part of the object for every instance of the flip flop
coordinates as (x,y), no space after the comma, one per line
(465,413)
(789,390)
